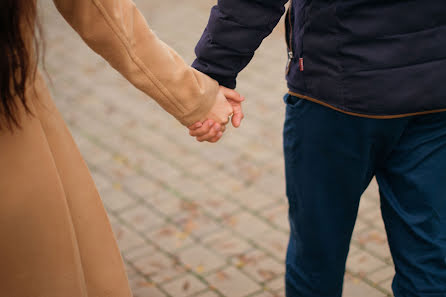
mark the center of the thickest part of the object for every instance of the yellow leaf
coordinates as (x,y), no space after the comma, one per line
(117,186)
(200,269)
(182,235)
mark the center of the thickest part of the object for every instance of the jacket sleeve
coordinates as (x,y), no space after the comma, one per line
(235,30)
(116,30)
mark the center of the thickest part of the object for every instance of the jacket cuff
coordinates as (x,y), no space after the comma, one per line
(203,106)
(228,82)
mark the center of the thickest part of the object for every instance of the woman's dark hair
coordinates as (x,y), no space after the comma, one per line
(18,57)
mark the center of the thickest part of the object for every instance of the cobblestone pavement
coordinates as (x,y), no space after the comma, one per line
(195,219)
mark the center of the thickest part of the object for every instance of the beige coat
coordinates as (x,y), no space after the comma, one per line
(56,240)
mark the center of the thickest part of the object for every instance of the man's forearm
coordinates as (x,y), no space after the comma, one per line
(235,30)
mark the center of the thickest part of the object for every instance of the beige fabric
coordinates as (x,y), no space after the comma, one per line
(117,31)
(56,240)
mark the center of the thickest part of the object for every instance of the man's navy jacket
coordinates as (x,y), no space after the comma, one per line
(376,58)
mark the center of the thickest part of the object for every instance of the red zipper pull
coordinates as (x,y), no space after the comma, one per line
(301,64)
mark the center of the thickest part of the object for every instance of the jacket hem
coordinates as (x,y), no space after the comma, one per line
(364,115)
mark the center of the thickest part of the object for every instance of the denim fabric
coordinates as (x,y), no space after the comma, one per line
(330,159)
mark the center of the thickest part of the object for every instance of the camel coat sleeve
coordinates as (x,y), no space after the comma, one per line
(116,30)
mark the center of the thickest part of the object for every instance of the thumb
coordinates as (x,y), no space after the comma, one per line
(231,94)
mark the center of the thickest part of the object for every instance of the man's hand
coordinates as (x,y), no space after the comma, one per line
(212,131)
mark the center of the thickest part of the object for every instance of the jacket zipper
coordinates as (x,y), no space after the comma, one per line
(289,41)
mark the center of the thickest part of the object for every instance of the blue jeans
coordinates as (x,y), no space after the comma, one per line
(330,159)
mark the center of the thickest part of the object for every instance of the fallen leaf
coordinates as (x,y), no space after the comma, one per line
(186,285)
(200,268)
(266,274)
(117,186)
(222,276)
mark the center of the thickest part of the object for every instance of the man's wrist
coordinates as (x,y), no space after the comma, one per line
(228,82)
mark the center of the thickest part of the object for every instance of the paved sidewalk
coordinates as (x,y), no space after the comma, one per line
(195,219)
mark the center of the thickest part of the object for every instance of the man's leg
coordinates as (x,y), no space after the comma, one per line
(413,202)
(329,161)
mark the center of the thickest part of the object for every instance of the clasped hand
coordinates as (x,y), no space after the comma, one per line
(228,103)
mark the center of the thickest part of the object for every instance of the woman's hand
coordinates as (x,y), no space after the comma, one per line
(228,103)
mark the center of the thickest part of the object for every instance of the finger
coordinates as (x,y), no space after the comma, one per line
(238,115)
(237,120)
(207,126)
(232,94)
(195,126)
(214,132)
(223,128)
(216,138)
(224,123)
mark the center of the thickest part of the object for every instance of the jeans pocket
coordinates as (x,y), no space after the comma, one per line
(293,101)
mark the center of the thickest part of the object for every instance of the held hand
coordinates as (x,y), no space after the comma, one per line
(212,131)
(235,100)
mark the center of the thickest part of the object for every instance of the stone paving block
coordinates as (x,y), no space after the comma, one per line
(382,275)
(276,284)
(360,226)
(190,185)
(231,282)
(226,243)
(259,266)
(271,184)
(243,168)
(146,249)
(277,215)
(375,242)
(264,294)
(369,210)
(195,223)
(218,206)
(387,286)
(247,224)
(115,200)
(208,294)
(254,199)
(131,271)
(101,182)
(127,239)
(130,155)
(372,192)
(280,293)
(185,286)
(136,281)
(147,289)
(367,204)
(158,266)
(170,238)
(353,250)
(224,183)
(354,287)
(164,201)
(364,263)
(200,259)
(117,171)
(141,186)
(275,242)
(379,225)
(195,166)
(142,218)
(170,173)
